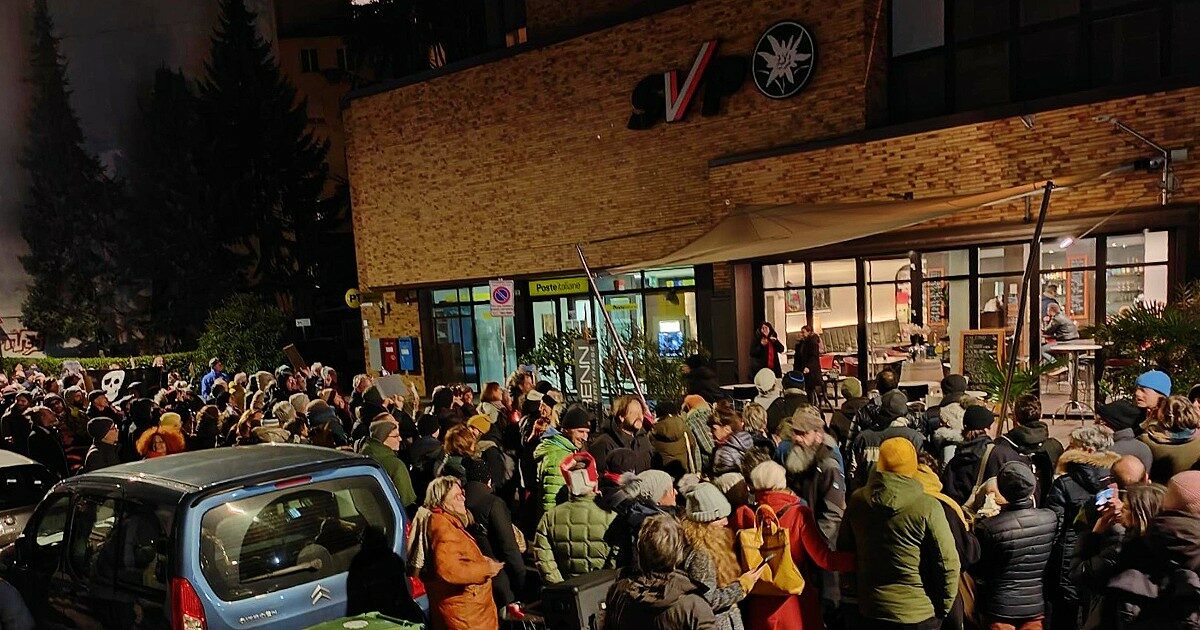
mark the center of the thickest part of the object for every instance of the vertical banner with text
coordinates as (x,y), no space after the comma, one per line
(587,371)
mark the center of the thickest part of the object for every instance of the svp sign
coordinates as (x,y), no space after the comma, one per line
(781,64)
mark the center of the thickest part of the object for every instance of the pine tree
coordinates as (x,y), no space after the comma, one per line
(73,209)
(263,169)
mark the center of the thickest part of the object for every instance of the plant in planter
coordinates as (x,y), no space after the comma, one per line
(1024,381)
(661,374)
(1153,336)
(554,356)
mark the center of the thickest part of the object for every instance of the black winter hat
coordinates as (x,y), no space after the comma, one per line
(97,428)
(94,394)
(894,404)
(1120,414)
(1015,481)
(954,384)
(577,417)
(543,387)
(476,470)
(622,460)
(978,417)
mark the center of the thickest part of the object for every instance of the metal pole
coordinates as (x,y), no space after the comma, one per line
(504,340)
(1026,280)
(612,330)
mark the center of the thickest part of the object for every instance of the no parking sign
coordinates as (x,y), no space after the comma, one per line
(502,298)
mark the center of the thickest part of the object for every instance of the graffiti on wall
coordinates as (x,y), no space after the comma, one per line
(15,340)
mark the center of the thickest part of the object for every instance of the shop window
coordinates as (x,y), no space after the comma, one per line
(783,276)
(785,309)
(827,272)
(981,76)
(671,320)
(917,87)
(1002,259)
(491,358)
(973,18)
(947,311)
(917,25)
(1185,46)
(670,278)
(1127,286)
(943,264)
(620,282)
(1126,48)
(1035,11)
(1049,62)
(1135,249)
(888,270)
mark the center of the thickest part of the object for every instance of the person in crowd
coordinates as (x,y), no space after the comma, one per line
(216,370)
(1150,394)
(1173,438)
(425,454)
(1119,533)
(807,360)
(1015,548)
(702,379)
(495,534)
(654,590)
(459,445)
(930,476)
(271,432)
(1130,471)
(810,552)
(242,433)
(767,386)
(907,567)
(711,559)
(258,402)
(890,419)
(493,403)
(963,472)
(791,399)
(730,437)
(283,412)
(1123,417)
(814,473)
(697,423)
(570,537)
(297,432)
(381,445)
(299,402)
(105,450)
(754,420)
(1083,470)
(156,442)
(1028,442)
(765,350)
(489,447)
(15,424)
(325,427)
(14,614)
(620,462)
(944,421)
(75,425)
(841,423)
(206,431)
(45,444)
(554,447)
(1158,588)
(641,496)
(99,405)
(376,578)
(237,390)
(623,429)
(675,451)
(457,576)
(358,387)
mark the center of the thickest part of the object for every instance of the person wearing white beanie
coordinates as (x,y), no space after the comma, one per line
(710,558)
(641,496)
(768,476)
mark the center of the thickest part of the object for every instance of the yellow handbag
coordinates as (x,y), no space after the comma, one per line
(768,539)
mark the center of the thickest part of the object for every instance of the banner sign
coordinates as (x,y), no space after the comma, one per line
(115,383)
(587,371)
(558,286)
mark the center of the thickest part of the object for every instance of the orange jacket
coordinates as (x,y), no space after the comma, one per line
(457,578)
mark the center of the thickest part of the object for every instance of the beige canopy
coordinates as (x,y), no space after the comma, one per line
(756,232)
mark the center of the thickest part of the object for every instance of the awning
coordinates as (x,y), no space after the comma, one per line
(761,231)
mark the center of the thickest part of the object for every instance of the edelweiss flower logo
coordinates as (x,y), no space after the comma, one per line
(783,60)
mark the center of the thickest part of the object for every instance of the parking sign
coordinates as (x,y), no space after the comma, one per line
(502,298)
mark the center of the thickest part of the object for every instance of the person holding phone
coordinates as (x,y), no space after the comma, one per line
(765,350)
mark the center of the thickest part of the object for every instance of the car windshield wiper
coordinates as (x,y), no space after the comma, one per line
(311,565)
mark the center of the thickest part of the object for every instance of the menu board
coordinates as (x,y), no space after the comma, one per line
(979,347)
(1077,288)
(935,297)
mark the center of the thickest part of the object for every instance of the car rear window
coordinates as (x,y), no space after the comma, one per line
(23,486)
(291,536)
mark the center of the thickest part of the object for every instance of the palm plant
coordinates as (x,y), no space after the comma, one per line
(1024,380)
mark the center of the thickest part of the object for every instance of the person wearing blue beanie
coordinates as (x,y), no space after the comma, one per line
(1151,389)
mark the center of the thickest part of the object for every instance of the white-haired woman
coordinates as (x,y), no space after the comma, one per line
(457,576)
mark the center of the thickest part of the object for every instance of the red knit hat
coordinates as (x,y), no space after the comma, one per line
(1183,493)
(580,480)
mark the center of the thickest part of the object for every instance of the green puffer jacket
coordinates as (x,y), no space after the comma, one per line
(548,456)
(570,540)
(394,468)
(907,563)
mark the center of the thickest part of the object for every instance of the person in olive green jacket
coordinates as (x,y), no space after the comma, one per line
(381,446)
(556,444)
(570,537)
(908,567)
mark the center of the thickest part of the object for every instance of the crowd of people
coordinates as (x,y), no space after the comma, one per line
(769,514)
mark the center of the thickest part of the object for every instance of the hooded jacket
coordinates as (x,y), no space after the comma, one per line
(548,455)
(613,438)
(395,469)
(1081,476)
(728,456)
(1173,453)
(675,450)
(1015,547)
(570,540)
(865,449)
(1031,444)
(670,601)
(962,471)
(1160,588)
(630,512)
(908,568)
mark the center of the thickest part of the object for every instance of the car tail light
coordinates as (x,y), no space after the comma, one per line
(187,612)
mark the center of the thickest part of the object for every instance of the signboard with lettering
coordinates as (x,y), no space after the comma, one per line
(587,371)
(979,348)
(935,297)
(558,286)
(502,298)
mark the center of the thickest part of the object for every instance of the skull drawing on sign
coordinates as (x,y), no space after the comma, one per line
(111,383)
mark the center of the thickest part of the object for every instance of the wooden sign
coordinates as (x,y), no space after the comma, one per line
(979,347)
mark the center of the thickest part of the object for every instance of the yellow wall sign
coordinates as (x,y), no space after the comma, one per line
(353,298)
(558,286)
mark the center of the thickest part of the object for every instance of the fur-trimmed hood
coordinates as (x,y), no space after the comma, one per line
(1104,460)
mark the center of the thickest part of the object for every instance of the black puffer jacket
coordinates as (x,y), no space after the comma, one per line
(1081,476)
(1160,589)
(1015,548)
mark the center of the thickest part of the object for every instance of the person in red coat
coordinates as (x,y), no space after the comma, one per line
(809,551)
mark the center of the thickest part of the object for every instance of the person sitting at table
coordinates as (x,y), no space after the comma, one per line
(1059,328)
(764,351)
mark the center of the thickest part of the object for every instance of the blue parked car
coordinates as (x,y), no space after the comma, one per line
(241,537)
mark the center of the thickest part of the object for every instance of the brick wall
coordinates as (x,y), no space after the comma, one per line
(501,168)
(544,18)
(402,320)
(988,155)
